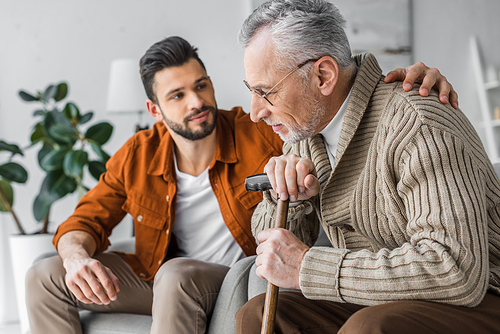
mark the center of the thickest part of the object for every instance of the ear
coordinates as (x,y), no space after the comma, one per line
(154,110)
(327,74)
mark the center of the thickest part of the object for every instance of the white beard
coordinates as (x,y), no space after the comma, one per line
(310,124)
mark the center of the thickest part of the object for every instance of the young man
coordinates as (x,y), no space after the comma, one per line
(400,183)
(183,182)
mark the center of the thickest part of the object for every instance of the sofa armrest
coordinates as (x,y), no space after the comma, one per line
(232,295)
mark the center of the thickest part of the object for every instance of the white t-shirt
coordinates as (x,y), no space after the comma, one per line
(332,131)
(199,228)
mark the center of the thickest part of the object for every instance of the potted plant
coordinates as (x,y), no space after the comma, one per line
(66,150)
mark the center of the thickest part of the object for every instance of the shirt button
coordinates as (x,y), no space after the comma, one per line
(139,218)
(167,198)
(349,228)
(142,275)
(160,262)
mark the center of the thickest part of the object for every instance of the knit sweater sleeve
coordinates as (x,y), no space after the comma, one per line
(432,175)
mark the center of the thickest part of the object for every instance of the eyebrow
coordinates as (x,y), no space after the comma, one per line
(173,91)
(261,86)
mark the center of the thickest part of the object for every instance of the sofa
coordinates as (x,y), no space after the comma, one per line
(238,286)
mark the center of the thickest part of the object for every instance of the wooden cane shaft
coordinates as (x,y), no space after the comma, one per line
(281,214)
(271,302)
(269,309)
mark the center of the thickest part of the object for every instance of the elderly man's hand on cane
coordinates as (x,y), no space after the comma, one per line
(280,253)
(279,257)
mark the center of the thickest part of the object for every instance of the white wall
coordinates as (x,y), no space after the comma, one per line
(48,41)
(441,39)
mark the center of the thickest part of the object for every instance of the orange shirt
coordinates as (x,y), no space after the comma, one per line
(140,180)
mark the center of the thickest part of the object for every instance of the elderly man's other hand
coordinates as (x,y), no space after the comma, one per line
(279,257)
(292,177)
(428,77)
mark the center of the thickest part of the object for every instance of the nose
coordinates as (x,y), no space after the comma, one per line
(195,101)
(258,109)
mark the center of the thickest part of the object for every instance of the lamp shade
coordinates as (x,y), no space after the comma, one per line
(125,90)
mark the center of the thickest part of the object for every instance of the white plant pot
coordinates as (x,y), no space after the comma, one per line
(24,249)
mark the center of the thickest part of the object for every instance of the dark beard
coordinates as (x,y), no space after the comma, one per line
(182,129)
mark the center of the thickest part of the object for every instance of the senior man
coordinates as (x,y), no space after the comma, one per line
(400,183)
(183,182)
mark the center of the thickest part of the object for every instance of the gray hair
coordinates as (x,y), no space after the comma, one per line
(301,30)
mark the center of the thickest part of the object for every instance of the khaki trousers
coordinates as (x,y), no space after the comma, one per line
(297,314)
(181,298)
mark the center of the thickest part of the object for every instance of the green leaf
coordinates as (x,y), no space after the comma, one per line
(74,161)
(55,118)
(86,117)
(55,186)
(46,149)
(62,91)
(100,133)
(39,112)
(8,192)
(13,148)
(41,206)
(53,160)
(14,172)
(71,111)
(96,168)
(63,133)
(103,156)
(38,133)
(50,92)
(27,97)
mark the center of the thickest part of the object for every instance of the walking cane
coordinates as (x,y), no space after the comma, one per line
(260,182)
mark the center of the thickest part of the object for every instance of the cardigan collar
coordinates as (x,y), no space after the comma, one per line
(367,78)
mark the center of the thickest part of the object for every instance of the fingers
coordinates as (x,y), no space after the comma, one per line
(287,175)
(264,252)
(279,257)
(114,280)
(312,186)
(105,289)
(81,286)
(93,283)
(429,78)
(415,73)
(398,74)
(433,78)
(263,236)
(454,98)
(75,289)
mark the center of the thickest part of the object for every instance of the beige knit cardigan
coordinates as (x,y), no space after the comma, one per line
(412,206)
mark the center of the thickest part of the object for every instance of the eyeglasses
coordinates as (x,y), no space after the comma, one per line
(259,92)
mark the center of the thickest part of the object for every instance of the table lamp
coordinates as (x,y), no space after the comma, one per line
(125,90)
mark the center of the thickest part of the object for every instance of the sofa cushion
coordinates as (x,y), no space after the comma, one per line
(114,323)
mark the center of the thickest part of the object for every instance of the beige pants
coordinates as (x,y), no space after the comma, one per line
(181,298)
